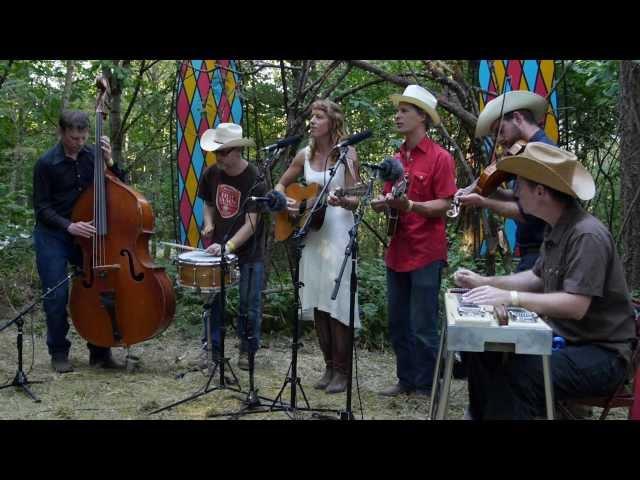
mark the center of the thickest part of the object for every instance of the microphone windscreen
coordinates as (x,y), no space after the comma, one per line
(391,170)
(277,201)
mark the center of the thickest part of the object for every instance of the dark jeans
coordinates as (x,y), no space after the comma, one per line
(514,388)
(412,300)
(55,249)
(249,309)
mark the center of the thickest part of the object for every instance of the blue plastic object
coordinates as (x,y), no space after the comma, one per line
(558,343)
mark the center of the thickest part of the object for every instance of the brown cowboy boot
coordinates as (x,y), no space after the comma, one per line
(340,352)
(324,339)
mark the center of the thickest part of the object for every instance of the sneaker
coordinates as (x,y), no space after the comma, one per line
(243,361)
(395,390)
(60,363)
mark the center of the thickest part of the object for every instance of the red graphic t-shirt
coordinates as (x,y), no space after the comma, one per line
(227,200)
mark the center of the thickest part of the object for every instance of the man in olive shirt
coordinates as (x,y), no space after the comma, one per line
(577,285)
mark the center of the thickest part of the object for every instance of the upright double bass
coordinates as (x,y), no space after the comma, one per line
(121,298)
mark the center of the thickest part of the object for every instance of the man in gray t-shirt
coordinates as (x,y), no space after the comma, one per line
(577,285)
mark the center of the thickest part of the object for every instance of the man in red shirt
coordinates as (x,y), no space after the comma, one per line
(418,249)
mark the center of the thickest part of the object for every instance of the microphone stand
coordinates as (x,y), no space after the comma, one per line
(292,373)
(20,380)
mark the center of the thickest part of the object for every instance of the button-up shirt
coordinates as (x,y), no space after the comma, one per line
(579,256)
(420,240)
(58,181)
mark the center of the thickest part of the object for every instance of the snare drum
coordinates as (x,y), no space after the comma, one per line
(201,271)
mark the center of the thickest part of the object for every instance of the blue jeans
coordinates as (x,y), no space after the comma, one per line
(514,389)
(249,309)
(55,250)
(412,301)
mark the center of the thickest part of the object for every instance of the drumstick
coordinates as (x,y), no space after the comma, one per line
(184,247)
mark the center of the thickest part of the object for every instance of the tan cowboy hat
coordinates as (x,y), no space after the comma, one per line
(421,98)
(551,166)
(225,135)
(513,100)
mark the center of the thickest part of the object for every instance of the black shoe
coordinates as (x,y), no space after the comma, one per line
(105,361)
(60,363)
(422,392)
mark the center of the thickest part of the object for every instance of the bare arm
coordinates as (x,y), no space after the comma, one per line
(245,231)
(507,209)
(295,170)
(431,208)
(349,202)
(207,229)
(526,281)
(497,291)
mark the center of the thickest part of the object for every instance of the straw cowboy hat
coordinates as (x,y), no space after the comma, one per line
(421,98)
(513,100)
(226,135)
(551,166)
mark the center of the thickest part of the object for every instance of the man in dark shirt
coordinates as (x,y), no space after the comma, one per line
(577,286)
(225,187)
(521,111)
(59,178)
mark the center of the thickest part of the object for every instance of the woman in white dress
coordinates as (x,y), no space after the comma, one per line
(324,249)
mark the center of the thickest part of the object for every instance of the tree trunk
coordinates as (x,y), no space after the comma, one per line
(68,81)
(115,116)
(630,169)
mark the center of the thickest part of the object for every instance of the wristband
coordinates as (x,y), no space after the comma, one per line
(515,300)
(230,246)
(410,206)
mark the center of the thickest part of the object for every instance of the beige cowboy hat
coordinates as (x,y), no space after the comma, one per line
(421,98)
(513,100)
(225,135)
(551,166)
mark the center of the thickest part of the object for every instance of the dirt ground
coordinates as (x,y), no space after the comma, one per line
(150,383)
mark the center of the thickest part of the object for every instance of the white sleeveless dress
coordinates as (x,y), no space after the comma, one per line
(323,254)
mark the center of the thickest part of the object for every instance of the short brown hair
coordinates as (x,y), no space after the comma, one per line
(73,119)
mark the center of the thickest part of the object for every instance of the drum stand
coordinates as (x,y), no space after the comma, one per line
(217,359)
(20,380)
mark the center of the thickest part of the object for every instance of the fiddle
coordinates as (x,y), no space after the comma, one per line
(489,180)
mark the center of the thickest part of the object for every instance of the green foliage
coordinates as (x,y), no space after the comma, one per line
(372,297)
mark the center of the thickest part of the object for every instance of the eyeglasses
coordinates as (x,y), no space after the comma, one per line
(224,152)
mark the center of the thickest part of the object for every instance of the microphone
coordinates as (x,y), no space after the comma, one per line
(273,200)
(389,170)
(353,139)
(283,143)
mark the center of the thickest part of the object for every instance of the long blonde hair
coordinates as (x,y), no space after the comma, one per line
(337,130)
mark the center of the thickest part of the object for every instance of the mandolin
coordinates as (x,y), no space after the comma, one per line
(398,189)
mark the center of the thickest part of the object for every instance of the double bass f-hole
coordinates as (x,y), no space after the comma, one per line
(136,276)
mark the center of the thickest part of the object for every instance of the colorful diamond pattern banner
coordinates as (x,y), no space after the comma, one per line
(207,94)
(533,75)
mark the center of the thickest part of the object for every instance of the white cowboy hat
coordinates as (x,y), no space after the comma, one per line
(551,166)
(225,135)
(421,98)
(513,100)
